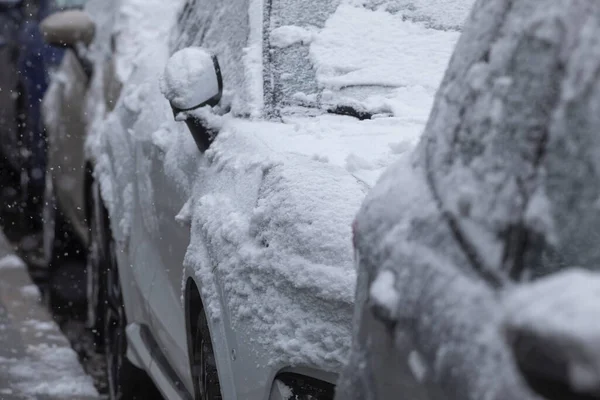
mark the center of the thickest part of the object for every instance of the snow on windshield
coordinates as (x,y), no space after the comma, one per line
(379,49)
(364,54)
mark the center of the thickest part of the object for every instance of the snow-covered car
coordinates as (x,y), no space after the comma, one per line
(226,178)
(68,176)
(477,254)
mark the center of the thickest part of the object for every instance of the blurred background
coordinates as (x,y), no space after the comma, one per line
(27,65)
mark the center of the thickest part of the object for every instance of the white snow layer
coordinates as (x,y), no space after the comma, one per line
(383,291)
(563,309)
(271,203)
(190,78)
(362,47)
(48,371)
(288,35)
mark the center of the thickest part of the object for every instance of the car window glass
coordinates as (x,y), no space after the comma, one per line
(222,27)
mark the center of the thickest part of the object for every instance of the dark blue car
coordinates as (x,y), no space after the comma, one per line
(26,66)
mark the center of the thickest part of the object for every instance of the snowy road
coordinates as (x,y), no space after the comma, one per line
(36,360)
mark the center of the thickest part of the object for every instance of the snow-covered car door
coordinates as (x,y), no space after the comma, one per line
(174,164)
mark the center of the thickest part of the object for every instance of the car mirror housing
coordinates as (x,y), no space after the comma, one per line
(68,28)
(192,79)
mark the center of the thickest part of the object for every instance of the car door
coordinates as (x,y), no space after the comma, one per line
(172,166)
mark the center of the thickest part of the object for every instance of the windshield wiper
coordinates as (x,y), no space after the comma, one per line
(351,112)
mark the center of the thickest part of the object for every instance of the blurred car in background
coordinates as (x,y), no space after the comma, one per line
(10,19)
(26,70)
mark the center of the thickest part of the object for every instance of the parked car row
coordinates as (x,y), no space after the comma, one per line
(27,66)
(211,156)
(212,161)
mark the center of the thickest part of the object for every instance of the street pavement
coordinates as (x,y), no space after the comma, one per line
(36,360)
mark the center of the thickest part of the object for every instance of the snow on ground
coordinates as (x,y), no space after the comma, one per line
(48,370)
(271,202)
(36,360)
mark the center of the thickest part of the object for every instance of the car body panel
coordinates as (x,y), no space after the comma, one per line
(170,239)
(66,126)
(75,96)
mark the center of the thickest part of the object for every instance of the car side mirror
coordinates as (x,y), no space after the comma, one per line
(67,28)
(192,79)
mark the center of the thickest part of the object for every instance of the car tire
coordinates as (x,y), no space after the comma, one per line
(97,258)
(57,244)
(204,367)
(125,380)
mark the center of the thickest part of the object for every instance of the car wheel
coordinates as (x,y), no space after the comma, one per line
(204,364)
(96,266)
(125,380)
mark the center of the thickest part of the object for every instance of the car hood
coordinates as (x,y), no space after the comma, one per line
(271,216)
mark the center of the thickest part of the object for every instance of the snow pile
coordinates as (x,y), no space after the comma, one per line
(279,244)
(48,371)
(561,312)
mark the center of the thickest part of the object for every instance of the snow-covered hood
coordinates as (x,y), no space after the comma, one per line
(274,209)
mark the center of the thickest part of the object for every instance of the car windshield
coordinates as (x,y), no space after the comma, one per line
(352,57)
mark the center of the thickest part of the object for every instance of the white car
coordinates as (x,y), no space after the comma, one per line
(227,176)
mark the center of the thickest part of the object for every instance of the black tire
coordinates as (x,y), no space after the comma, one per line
(59,248)
(204,367)
(125,380)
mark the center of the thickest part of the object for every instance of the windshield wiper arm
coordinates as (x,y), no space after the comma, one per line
(351,112)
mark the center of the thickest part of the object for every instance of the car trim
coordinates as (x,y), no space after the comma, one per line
(145,349)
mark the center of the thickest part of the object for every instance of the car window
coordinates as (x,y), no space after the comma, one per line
(222,27)
(66,4)
(290,68)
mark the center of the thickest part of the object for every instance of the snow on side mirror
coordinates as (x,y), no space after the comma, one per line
(192,79)
(67,28)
